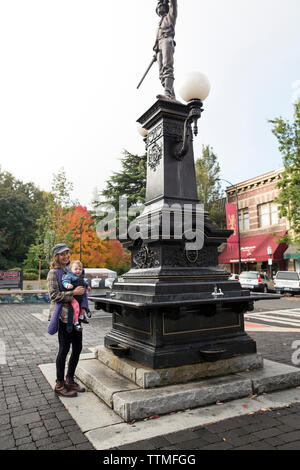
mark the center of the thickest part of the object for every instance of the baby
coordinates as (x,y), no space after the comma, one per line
(73,278)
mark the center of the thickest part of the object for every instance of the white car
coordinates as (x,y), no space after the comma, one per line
(256,281)
(287,281)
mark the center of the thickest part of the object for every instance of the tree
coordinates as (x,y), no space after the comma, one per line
(209,187)
(86,246)
(21,204)
(288,136)
(130,182)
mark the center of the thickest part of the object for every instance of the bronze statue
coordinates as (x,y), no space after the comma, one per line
(164,47)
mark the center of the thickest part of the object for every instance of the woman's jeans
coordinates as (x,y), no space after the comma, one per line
(65,340)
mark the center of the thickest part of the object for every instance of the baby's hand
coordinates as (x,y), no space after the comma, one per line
(69,286)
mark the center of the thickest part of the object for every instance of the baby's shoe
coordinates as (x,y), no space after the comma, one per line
(77,326)
(88,313)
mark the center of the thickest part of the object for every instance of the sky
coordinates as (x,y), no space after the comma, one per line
(70,68)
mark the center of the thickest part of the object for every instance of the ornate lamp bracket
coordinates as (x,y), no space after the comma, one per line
(195,111)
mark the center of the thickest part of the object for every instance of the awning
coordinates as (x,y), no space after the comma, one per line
(293,252)
(254,249)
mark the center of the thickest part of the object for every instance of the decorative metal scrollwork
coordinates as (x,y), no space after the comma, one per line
(154,156)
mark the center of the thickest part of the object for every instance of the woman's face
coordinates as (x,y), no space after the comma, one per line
(64,258)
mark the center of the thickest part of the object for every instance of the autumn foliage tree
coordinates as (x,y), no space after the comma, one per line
(66,221)
(78,230)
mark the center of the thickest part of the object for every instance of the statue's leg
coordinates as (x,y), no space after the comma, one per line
(160,66)
(168,67)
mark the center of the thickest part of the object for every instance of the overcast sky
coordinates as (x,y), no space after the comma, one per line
(69,71)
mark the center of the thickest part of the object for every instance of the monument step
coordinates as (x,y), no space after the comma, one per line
(133,403)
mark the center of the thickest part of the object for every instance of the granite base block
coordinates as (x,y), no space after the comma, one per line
(146,377)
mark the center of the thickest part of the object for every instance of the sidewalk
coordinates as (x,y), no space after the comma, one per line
(32,417)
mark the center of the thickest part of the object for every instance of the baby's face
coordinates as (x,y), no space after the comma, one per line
(76,269)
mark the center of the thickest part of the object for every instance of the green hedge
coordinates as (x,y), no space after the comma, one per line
(30,276)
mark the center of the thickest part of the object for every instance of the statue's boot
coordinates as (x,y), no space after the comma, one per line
(169,91)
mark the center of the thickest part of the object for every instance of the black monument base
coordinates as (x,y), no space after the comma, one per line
(179,333)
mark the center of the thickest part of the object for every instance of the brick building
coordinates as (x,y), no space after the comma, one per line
(260,226)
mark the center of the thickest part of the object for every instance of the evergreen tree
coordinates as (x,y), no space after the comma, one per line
(130,182)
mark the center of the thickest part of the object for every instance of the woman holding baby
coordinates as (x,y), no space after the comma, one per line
(62,320)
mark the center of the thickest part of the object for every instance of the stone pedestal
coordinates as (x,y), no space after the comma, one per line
(136,392)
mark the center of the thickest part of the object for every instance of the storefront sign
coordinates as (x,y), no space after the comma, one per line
(11,280)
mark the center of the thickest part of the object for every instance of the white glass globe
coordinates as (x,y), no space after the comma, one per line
(195,86)
(143,132)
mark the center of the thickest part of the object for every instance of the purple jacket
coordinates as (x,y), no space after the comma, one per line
(53,324)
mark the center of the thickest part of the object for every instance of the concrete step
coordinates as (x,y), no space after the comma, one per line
(133,403)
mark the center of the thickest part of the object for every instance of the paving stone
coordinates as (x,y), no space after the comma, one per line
(271,432)
(84,446)
(28,446)
(295,445)
(51,423)
(21,431)
(77,437)
(274,441)
(290,436)
(4,419)
(23,440)
(6,442)
(25,419)
(177,437)
(39,433)
(291,420)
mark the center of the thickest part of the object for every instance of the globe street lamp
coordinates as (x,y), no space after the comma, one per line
(194,91)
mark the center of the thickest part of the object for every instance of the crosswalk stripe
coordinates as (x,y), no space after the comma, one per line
(288,317)
(271,319)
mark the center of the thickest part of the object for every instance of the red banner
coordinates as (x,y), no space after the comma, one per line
(231,217)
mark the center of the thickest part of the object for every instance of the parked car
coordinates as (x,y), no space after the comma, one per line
(287,281)
(233,277)
(256,281)
(96,279)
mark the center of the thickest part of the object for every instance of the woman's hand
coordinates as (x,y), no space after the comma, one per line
(78,290)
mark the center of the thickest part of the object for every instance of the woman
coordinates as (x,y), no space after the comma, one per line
(67,335)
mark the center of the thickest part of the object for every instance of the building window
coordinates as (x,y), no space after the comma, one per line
(268,214)
(244,220)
